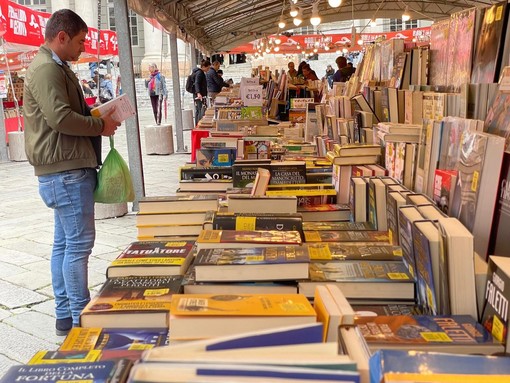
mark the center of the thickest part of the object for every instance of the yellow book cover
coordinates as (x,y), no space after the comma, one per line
(54,357)
(291,237)
(241,305)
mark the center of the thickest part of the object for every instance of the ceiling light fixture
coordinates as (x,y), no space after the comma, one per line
(373,23)
(315,19)
(281,22)
(334,3)
(294,11)
(406,16)
(298,19)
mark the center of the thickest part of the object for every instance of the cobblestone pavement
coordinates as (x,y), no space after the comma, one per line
(27,322)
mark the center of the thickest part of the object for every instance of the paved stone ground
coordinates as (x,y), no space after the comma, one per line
(26,232)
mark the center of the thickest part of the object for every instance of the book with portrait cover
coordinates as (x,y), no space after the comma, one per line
(152,258)
(96,338)
(489,46)
(132,302)
(368,280)
(252,264)
(442,333)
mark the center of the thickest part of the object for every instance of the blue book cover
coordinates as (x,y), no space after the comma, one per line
(404,366)
(93,372)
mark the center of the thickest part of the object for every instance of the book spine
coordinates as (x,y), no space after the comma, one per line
(232,222)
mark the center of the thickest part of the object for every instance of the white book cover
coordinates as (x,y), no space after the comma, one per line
(122,105)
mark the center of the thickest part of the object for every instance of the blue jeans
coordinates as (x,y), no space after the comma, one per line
(71,195)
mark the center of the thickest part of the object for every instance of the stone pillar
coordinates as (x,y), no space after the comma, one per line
(153,38)
(87,9)
(59,4)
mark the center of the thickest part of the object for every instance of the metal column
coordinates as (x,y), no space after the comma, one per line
(128,87)
(176,85)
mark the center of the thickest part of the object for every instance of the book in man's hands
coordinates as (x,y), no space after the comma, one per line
(122,106)
(132,302)
(252,264)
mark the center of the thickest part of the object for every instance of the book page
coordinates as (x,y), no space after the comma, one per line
(123,108)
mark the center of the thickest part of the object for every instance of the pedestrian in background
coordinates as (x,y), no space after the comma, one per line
(156,86)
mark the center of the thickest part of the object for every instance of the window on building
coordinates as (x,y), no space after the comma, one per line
(399,25)
(37,5)
(133,22)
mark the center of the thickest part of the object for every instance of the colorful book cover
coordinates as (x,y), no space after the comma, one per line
(359,271)
(96,372)
(405,366)
(499,243)
(496,309)
(346,236)
(249,236)
(406,236)
(241,305)
(399,166)
(252,113)
(243,175)
(149,254)
(460,42)
(489,45)
(472,155)
(60,356)
(217,172)
(340,251)
(425,288)
(215,157)
(132,295)
(498,118)
(340,226)
(252,256)
(406,331)
(95,338)
(257,221)
(444,188)
(439,52)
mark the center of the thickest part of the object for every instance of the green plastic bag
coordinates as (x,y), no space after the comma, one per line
(114,184)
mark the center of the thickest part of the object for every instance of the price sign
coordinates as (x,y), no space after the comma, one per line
(249,81)
(300,103)
(252,95)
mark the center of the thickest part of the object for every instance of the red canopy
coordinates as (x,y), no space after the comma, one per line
(23,31)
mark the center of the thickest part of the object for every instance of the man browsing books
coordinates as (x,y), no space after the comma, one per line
(63,144)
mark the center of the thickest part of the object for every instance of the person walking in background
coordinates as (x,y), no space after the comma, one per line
(156,86)
(329,75)
(63,144)
(200,89)
(106,89)
(214,81)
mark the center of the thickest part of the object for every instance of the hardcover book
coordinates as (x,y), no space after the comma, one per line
(85,339)
(404,366)
(199,316)
(175,204)
(245,203)
(341,251)
(254,221)
(147,258)
(489,45)
(496,309)
(499,243)
(346,236)
(94,372)
(364,280)
(324,212)
(254,264)
(210,239)
(349,226)
(132,302)
(407,215)
(460,334)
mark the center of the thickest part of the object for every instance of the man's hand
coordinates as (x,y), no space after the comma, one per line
(110,125)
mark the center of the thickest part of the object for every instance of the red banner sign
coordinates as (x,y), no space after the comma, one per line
(298,43)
